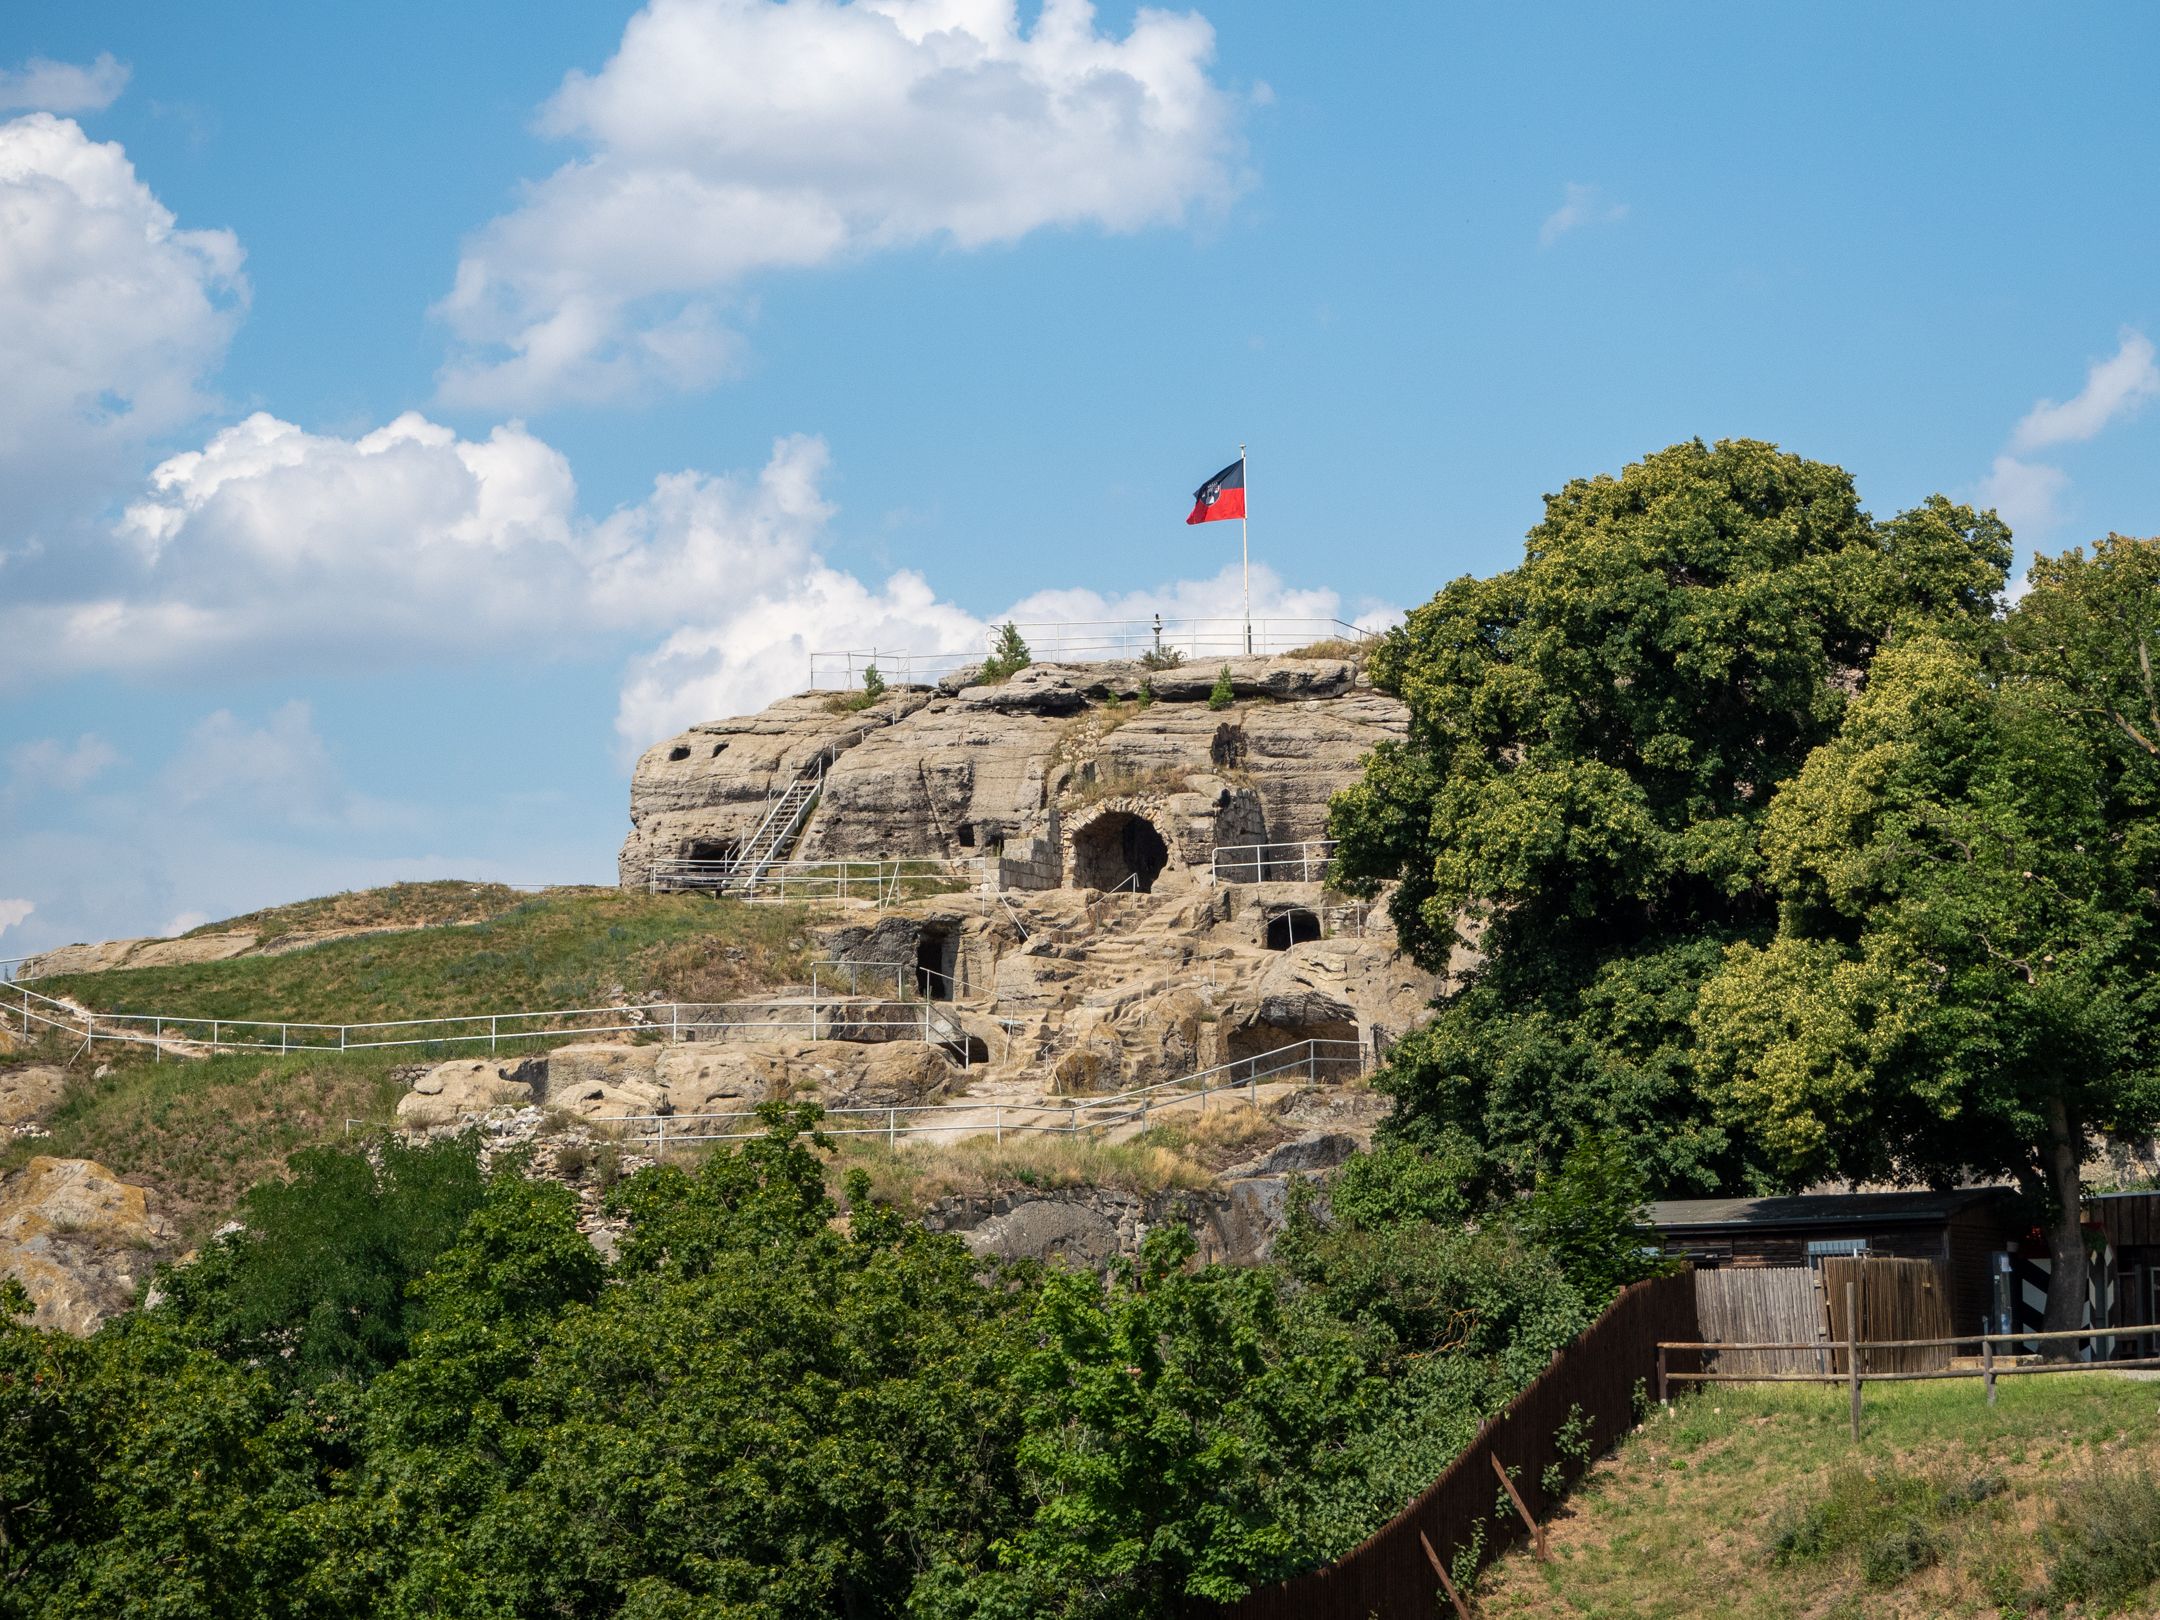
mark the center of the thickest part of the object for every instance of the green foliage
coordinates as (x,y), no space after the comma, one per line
(1223,693)
(403,1392)
(1889,1521)
(1162,658)
(1146,695)
(1962,978)
(1589,1216)
(1008,655)
(873,683)
(313,1287)
(2104,1545)
(1593,740)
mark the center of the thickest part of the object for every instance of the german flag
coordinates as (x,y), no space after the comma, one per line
(1222,496)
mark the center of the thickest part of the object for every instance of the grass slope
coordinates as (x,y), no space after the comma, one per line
(576,948)
(200,1132)
(1752,1503)
(395,905)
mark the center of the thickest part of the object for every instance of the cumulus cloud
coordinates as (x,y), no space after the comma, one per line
(2027,494)
(41,85)
(14,913)
(2113,387)
(729,137)
(111,317)
(47,763)
(1580,205)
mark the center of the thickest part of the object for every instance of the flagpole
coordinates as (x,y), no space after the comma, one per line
(1245,546)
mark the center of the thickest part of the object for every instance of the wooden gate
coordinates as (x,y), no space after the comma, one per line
(1764,1305)
(1898,1299)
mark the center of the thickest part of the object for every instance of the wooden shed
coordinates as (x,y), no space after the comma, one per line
(1960,1230)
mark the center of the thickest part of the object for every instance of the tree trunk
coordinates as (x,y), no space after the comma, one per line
(2069,1266)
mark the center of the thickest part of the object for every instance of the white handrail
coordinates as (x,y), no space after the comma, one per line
(1089,641)
(1308,1058)
(1306,861)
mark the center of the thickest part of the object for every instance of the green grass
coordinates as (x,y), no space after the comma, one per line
(565,949)
(396,905)
(1752,1502)
(198,1133)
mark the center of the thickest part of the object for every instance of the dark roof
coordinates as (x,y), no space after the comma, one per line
(1820,1209)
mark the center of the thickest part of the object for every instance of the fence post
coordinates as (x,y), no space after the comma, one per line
(999,1117)
(213,1037)
(1664,1383)
(1987,1366)
(1537,1531)
(1462,1609)
(892,1127)
(157,1038)
(491,1034)
(674,1019)
(1852,1350)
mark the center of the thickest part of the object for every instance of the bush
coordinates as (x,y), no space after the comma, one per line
(1224,694)
(1008,655)
(2106,1539)
(1147,692)
(1162,658)
(1890,1521)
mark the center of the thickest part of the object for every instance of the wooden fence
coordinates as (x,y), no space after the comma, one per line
(1802,1309)
(1597,1379)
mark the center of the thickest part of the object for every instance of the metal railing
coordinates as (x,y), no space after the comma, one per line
(1086,641)
(11,965)
(1304,862)
(1309,1062)
(815,1018)
(882,881)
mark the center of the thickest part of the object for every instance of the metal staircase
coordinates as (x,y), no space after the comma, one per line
(775,835)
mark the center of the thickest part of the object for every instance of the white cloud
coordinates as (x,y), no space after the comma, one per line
(14,913)
(760,649)
(185,922)
(111,317)
(2027,494)
(1580,205)
(730,137)
(277,550)
(2113,387)
(48,763)
(62,87)
(282,763)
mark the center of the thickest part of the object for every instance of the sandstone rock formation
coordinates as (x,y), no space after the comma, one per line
(79,1239)
(29,1092)
(1051,769)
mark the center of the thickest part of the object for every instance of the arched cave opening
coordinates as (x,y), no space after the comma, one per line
(1294,926)
(1119,850)
(712,849)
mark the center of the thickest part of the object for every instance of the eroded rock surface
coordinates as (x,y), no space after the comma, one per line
(80,1240)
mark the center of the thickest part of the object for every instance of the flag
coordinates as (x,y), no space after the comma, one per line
(1222,496)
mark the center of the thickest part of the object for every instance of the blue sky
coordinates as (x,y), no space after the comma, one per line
(418,409)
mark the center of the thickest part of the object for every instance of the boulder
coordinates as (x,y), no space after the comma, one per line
(29,1093)
(602,1078)
(469,1088)
(1060,1229)
(80,1240)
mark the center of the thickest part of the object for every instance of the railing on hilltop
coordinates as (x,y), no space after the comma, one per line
(817,1017)
(1304,1063)
(1087,641)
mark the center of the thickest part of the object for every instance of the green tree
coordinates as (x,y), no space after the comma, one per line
(313,1287)
(1962,978)
(873,684)
(1594,739)
(1009,654)
(1223,693)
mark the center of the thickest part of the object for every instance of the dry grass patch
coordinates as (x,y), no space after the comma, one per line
(1751,1502)
(915,1175)
(397,905)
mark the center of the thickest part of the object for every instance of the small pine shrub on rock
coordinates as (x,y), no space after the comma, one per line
(1224,694)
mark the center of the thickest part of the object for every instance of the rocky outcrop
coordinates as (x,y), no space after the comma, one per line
(80,1240)
(596,1081)
(30,1092)
(960,770)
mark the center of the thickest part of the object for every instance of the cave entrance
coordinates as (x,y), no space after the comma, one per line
(1296,926)
(937,963)
(712,849)
(1119,851)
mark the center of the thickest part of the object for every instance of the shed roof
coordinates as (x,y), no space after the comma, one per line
(1819,1209)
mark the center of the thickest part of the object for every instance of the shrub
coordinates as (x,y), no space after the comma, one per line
(1162,658)
(1147,692)
(1008,655)
(2106,1539)
(1224,694)
(1889,1521)
(873,683)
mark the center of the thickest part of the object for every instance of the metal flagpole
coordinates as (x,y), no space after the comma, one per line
(1245,546)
